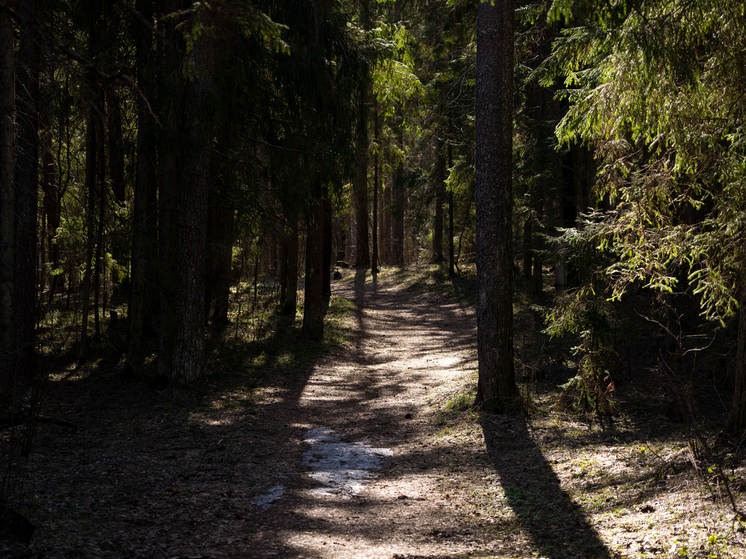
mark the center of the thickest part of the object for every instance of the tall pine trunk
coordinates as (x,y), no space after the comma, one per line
(143,278)
(192,207)
(7,206)
(496,389)
(167,216)
(397,210)
(290,302)
(362,251)
(313,310)
(101,195)
(451,251)
(27,183)
(440,186)
(376,188)
(52,210)
(386,234)
(90,190)
(326,262)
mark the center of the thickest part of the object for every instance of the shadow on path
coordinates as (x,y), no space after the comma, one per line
(532,490)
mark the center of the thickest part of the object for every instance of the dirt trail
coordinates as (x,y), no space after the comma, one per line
(354,455)
(411,350)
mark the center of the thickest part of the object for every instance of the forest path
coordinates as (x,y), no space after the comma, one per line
(290,453)
(351,454)
(411,348)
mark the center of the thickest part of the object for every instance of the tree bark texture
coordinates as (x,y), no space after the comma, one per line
(192,208)
(397,215)
(290,303)
(440,188)
(496,390)
(7,203)
(313,310)
(101,196)
(386,224)
(376,186)
(451,232)
(27,184)
(52,210)
(167,201)
(362,249)
(91,149)
(326,265)
(143,278)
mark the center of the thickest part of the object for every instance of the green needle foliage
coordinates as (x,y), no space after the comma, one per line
(655,87)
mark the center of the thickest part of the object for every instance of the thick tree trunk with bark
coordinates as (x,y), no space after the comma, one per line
(7,204)
(496,390)
(167,201)
(27,184)
(192,207)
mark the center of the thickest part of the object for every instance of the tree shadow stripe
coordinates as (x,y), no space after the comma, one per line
(532,490)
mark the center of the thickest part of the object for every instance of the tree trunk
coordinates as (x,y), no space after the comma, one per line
(220,232)
(192,207)
(168,196)
(440,186)
(451,255)
(397,211)
(386,227)
(52,210)
(101,194)
(7,206)
(144,220)
(326,273)
(90,189)
(313,310)
(290,303)
(376,185)
(496,390)
(362,250)
(27,183)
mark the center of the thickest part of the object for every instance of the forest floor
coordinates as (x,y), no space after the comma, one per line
(368,448)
